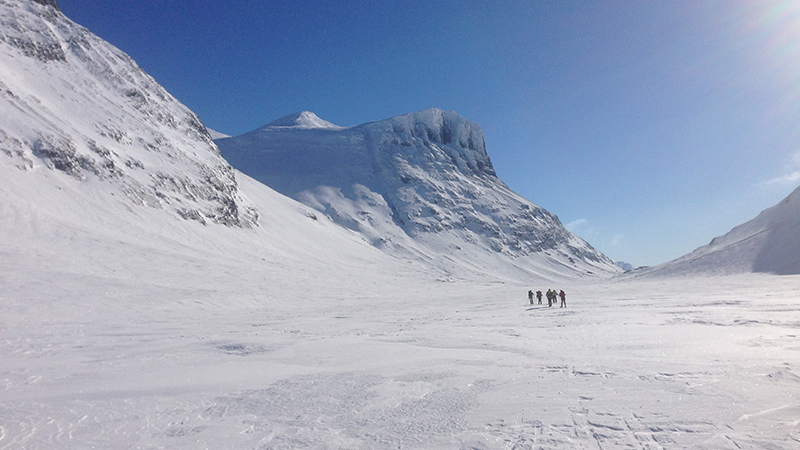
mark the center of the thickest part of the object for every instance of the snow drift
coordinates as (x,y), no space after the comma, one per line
(420,186)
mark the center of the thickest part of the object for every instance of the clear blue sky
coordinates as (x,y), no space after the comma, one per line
(647,126)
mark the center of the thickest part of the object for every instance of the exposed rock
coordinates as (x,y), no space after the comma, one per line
(419,181)
(53,3)
(86,109)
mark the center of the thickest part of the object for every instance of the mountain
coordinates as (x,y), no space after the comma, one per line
(107,179)
(624,265)
(420,186)
(770,243)
(304,120)
(74,104)
(216,134)
(93,148)
(127,323)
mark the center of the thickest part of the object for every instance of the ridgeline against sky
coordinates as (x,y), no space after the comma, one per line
(648,127)
(420,186)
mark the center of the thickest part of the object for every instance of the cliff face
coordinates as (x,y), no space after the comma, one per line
(53,3)
(442,137)
(417,184)
(74,104)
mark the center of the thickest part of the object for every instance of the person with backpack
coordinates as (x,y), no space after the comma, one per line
(563,298)
(530,296)
(539,296)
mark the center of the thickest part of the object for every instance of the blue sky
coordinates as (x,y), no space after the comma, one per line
(648,127)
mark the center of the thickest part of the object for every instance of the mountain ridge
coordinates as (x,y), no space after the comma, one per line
(768,243)
(53,3)
(303,120)
(419,185)
(72,103)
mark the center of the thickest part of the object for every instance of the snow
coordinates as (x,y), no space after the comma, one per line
(126,325)
(162,333)
(304,120)
(770,243)
(624,265)
(72,102)
(420,187)
(216,134)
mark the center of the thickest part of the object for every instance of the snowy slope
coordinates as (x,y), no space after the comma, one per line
(95,154)
(115,202)
(72,103)
(123,325)
(770,243)
(216,134)
(420,186)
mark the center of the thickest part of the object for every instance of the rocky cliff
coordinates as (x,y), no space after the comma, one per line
(420,184)
(73,104)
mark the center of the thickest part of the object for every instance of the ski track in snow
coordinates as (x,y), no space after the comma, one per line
(628,365)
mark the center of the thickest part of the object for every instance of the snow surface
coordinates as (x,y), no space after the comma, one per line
(304,120)
(420,187)
(134,329)
(126,325)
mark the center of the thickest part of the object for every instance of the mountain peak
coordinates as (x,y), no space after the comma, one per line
(305,120)
(419,186)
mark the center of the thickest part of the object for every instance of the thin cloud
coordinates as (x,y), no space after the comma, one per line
(576,224)
(586,230)
(790,178)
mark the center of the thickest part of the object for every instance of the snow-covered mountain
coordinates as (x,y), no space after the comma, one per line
(104,174)
(624,265)
(73,103)
(216,134)
(420,186)
(128,323)
(770,243)
(90,142)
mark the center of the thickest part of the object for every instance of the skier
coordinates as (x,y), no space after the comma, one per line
(530,296)
(563,298)
(539,296)
(549,298)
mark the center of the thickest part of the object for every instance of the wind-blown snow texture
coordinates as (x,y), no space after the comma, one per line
(124,326)
(73,103)
(770,243)
(419,185)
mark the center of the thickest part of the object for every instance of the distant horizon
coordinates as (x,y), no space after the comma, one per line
(647,128)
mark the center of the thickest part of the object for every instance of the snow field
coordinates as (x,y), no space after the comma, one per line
(686,363)
(122,325)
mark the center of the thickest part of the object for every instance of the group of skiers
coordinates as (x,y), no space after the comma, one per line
(552,297)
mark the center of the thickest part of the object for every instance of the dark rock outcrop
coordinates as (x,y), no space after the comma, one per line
(53,3)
